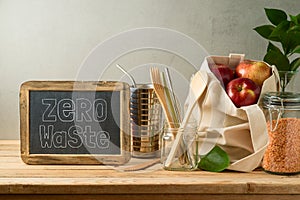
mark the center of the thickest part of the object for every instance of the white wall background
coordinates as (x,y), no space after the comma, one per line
(49,39)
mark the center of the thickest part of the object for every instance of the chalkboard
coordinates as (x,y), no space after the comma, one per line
(66,122)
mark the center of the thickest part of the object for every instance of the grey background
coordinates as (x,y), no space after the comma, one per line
(49,39)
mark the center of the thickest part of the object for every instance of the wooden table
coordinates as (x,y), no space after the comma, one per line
(20,181)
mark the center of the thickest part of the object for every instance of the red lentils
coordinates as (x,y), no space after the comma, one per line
(283,152)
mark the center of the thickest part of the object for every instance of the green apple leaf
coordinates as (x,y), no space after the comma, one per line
(295,64)
(275,16)
(216,160)
(265,30)
(274,57)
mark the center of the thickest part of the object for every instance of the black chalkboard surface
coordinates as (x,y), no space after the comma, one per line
(74,122)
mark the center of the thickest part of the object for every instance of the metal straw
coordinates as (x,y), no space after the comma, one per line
(174,99)
(129,75)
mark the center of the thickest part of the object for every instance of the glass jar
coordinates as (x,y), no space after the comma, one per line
(282,111)
(289,81)
(182,160)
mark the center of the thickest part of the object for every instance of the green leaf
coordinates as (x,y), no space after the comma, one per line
(275,16)
(294,28)
(298,18)
(293,38)
(294,19)
(216,160)
(278,59)
(295,64)
(272,47)
(265,30)
(296,49)
(279,33)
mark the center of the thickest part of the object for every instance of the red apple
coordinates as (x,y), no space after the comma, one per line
(243,91)
(222,72)
(257,71)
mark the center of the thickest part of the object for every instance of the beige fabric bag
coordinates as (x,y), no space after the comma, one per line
(241,132)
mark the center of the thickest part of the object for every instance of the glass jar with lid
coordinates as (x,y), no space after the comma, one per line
(282,111)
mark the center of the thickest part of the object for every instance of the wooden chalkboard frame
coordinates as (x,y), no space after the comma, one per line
(125,138)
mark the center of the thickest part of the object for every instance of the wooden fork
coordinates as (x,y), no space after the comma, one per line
(160,92)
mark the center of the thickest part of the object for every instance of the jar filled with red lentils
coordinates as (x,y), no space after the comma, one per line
(282,111)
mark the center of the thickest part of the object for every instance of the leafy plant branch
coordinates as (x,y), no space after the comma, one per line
(285,30)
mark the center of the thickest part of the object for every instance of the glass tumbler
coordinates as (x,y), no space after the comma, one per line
(183,159)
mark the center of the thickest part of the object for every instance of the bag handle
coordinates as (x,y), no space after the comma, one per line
(258,127)
(235,59)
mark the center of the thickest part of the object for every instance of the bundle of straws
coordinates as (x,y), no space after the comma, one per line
(163,88)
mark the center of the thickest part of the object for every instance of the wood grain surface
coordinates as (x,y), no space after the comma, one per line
(19,181)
